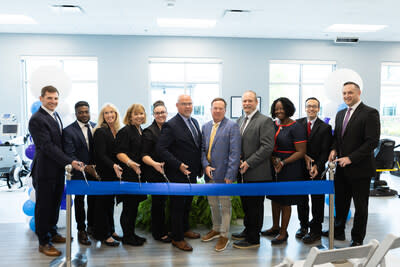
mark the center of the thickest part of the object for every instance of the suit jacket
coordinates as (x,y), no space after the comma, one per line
(257,145)
(225,150)
(75,146)
(318,143)
(104,157)
(50,160)
(360,138)
(176,145)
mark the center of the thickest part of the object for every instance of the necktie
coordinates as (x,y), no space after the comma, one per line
(58,122)
(89,135)
(243,125)
(213,132)
(194,131)
(346,120)
(308,128)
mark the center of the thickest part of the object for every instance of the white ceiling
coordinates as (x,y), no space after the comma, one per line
(296,19)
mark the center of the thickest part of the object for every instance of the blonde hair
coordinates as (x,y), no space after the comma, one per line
(134,109)
(102,123)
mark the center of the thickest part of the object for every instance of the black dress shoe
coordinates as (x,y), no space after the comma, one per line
(239,236)
(142,239)
(355,243)
(311,238)
(301,232)
(279,241)
(244,244)
(270,232)
(337,236)
(83,238)
(167,239)
(116,237)
(132,241)
(111,244)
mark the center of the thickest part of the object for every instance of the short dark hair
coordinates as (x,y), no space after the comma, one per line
(158,103)
(218,99)
(81,104)
(353,83)
(50,89)
(312,98)
(288,107)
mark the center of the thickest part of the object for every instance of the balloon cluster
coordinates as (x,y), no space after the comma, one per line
(29,206)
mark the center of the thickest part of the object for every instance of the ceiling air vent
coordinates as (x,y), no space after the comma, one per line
(236,13)
(347,40)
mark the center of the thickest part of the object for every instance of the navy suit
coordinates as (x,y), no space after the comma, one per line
(175,146)
(76,147)
(47,172)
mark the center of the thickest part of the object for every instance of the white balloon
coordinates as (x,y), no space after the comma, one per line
(32,195)
(62,219)
(29,181)
(66,113)
(50,75)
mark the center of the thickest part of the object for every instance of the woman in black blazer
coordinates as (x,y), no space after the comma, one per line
(153,170)
(128,144)
(104,137)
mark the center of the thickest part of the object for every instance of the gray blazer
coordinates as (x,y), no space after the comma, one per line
(257,145)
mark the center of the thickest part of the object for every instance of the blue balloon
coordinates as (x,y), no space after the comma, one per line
(32,224)
(29,191)
(29,208)
(341,106)
(326,120)
(35,106)
(30,151)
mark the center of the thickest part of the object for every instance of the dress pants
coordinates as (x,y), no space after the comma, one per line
(220,207)
(317,210)
(47,208)
(130,204)
(347,188)
(180,209)
(103,217)
(80,214)
(158,227)
(253,207)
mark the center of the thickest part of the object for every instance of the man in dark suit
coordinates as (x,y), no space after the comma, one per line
(179,147)
(48,170)
(357,131)
(319,141)
(258,142)
(78,144)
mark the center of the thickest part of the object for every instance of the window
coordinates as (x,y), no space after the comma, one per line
(390,93)
(200,78)
(83,74)
(299,80)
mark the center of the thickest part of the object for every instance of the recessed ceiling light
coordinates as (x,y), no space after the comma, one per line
(353,28)
(186,23)
(67,9)
(16,19)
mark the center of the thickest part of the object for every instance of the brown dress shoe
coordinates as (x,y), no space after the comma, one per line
(83,238)
(222,243)
(49,250)
(191,234)
(58,239)
(210,236)
(182,245)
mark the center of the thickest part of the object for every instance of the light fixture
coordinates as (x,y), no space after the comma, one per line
(354,28)
(185,23)
(16,19)
(67,9)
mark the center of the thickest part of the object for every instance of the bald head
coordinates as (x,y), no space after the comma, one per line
(185,105)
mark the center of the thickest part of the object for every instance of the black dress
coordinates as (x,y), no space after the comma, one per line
(104,146)
(286,137)
(149,140)
(128,141)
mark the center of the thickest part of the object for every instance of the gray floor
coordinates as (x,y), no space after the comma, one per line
(18,245)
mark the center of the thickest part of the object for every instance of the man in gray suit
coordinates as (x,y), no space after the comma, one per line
(257,133)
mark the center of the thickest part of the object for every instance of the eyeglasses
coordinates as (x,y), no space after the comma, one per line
(160,113)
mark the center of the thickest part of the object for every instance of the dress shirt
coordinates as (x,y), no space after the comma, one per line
(249,119)
(84,131)
(353,108)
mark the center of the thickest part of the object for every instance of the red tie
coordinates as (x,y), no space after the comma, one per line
(308,128)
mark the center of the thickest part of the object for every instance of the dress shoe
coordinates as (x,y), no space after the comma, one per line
(191,234)
(166,239)
(337,236)
(49,250)
(113,243)
(182,245)
(301,232)
(278,241)
(270,232)
(132,241)
(244,244)
(116,237)
(210,236)
(83,238)
(222,243)
(311,238)
(141,239)
(239,236)
(57,238)
(355,243)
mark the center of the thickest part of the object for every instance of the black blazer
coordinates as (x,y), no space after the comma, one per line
(150,138)
(50,160)
(176,145)
(360,138)
(104,157)
(75,146)
(129,141)
(318,143)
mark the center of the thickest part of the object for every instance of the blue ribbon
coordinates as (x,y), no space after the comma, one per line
(79,187)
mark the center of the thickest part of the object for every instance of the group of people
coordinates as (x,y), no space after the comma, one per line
(252,150)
